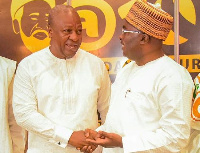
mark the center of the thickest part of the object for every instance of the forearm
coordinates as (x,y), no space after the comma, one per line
(158,141)
(34,122)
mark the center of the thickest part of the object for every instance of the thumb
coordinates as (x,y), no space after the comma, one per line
(103,134)
(87,133)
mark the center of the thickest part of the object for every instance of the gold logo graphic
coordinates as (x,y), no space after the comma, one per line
(196,110)
(196,104)
(29,19)
(91,23)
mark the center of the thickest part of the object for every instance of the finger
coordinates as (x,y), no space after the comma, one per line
(94,147)
(87,133)
(89,149)
(84,148)
(78,148)
(104,134)
(100,136)
(92,141)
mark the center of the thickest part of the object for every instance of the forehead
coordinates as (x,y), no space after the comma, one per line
(67,18)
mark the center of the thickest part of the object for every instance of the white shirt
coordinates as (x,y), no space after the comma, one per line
(11,135)
(54,97)
(150,107)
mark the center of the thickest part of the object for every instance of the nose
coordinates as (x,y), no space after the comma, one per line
(74,36)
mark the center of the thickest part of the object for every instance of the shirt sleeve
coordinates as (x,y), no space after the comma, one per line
(27,115)
(17,133)
(174,98)
(104,94)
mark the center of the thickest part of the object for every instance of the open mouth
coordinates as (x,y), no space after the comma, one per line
(72,47)
(122,45)
(40,35)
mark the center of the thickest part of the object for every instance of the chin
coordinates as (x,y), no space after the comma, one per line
(124,54)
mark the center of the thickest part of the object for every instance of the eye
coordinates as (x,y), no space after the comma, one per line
(67,31)
(79,31)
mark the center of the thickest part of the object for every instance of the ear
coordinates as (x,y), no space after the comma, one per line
(145,38)
(50,31)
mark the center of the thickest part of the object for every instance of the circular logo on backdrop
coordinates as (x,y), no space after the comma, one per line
(92,23)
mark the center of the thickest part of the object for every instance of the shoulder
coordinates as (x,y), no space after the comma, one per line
(174,67)
(89,56)
(171,70)
(7,68)
(86,58)
(34,57)
(5,62)
(7,65)
(94,63)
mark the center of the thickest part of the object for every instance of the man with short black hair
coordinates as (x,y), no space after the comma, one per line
(58,90)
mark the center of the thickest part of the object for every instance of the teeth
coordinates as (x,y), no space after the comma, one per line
(71,46)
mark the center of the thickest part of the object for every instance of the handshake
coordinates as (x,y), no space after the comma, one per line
(87,141)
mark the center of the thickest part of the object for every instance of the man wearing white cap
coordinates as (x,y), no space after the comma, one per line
(151,97)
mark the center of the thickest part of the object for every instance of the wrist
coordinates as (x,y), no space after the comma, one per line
(120,143)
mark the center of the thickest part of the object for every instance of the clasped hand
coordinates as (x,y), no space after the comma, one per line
(107,140)
(78,140)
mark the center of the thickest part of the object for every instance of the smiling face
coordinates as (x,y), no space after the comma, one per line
(65,31)
(131,41)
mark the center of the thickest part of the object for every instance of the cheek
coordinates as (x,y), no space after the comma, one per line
(64,39)
(80,38)
(128,43)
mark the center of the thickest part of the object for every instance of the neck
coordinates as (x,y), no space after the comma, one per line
(151,56)
(57,53)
